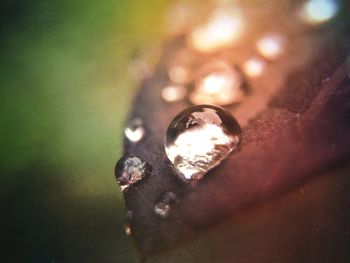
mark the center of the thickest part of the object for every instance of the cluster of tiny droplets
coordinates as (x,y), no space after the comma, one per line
(201,137)
(163,206)
(226,27)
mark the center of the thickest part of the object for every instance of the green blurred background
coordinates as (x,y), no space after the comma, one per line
(64,97)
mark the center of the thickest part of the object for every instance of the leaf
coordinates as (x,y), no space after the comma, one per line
(302,134)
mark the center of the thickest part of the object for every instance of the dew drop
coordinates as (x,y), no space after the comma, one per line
(162,208)
(271,46)
(319,11)
(131,169)
(217,83)
(223,29)
(200,138)
(173,93)
(127,226)
(127,229)
(135,131)
(178,74)
(254,67)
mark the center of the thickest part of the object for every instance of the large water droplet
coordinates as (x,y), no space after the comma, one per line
(162,208)
(217,83)
(199,138)
(135,131)
(130,170)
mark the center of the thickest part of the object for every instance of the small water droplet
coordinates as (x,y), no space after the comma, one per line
(127,229)
(173,93)
(135,131)
(271,46)
(127,226)
(131,169)
(200,138)
(223,29)
(319,11)
(254,67)
(217,83)
(162,208)
(178,74)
